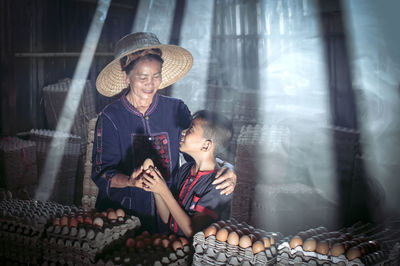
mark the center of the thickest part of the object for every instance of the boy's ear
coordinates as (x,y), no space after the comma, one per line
(207,145)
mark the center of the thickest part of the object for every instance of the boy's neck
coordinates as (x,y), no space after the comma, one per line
(205,163)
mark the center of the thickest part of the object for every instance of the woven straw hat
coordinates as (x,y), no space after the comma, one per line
(177,62)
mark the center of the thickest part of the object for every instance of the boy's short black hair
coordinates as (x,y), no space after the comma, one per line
(216,127)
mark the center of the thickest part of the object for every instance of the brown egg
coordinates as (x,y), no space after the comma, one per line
(337,249)
(166,243)
(147,241)
(233,238)
(172,237)
(73,222)
(246,231)
(221,223)
(98,221)
(210,231)
(104,214)
(157,242)
(310,244)
(258,246)
(253,238)
(176,245)
(245,241)
(111,215)
(79,218)
(64,221)
(130,243)
(295,241)
(155,235)
(353,253)
(140,244)
(120,213)
(56,221)
(184,241)
(222,234)
(322,247)
(147,163)
(145,234)
(140,237)
(88,220)
(266,241)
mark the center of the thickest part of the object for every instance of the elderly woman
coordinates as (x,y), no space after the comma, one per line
(141,124)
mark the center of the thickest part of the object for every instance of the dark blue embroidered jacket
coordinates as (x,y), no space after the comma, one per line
(195,193)
(124,138)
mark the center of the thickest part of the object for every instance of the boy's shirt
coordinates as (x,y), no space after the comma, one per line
(195,193)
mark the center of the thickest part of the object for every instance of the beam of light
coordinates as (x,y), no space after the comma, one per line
(193,87)
(375,60)
(297,187)
(155,16)
(57,146)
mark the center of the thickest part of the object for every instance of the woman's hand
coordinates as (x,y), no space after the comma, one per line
(226,180)
(153,181)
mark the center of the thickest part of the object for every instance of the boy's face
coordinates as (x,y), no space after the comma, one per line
(192,138)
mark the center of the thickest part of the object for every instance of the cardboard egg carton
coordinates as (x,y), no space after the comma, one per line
(361,244)
(81,243)
(209,250)
(146,249)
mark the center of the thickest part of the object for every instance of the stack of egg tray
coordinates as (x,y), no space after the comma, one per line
(17,163)
(210,251)
(374,245)
(151,253)
(22,226)
(80,244)
(90,190)
(64,186)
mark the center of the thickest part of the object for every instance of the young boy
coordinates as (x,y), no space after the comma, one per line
(193,201)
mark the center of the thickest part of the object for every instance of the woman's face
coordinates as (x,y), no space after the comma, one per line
(145,79)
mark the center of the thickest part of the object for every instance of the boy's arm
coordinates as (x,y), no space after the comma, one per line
(162,208)
(154,182)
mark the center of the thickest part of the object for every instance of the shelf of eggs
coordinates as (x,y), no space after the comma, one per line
(147,249)
(78,237)
(360,244)
(22,227)
(232,243)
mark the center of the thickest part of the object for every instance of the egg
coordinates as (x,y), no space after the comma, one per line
(73,222)
(295,241)
(253,238)
(322,247)
(165,242)
(184,241)
(111,215)
(147,241)
(337,249)
(233,238)
(104,214)
(120,213)
(353,253)
(56,221)
(172,237)
(246,231)
(88,220)
(98,221)
(157,242)
(145,234)
(267,242)
(222,234)
(176,245)
(79,218)
(130,243)
(221,223)
(147,163)
(140,244)
(64,221)
(210,231)
(155,235)
(310,244)
(245,241)
(258,246)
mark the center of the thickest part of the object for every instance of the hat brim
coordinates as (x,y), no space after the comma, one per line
(177,62)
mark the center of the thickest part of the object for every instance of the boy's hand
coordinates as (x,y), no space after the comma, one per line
(226,180)
(153,181)
(135,178)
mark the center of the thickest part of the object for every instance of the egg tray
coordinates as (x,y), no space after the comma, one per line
(117,253)
(84,241)
(211,251)
(384,250)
